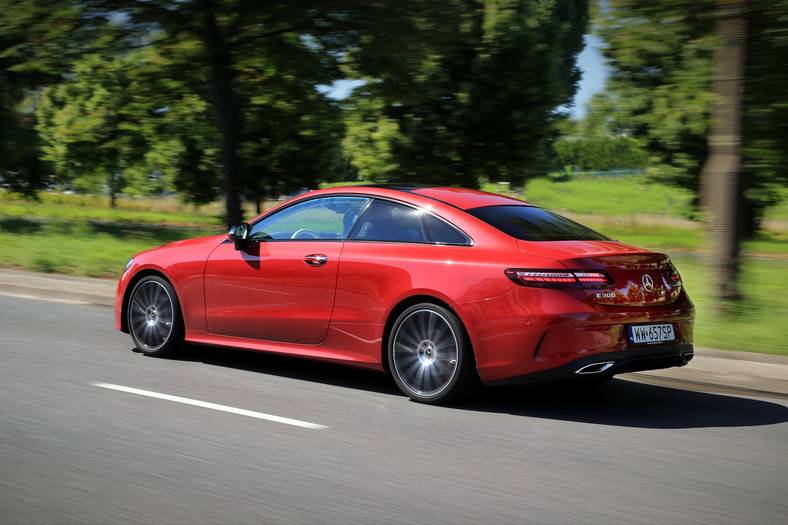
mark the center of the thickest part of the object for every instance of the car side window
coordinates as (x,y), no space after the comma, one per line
(443,233)
(389,221)
(321,218)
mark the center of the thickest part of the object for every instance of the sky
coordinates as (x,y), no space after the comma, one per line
(590,61)
(595,72)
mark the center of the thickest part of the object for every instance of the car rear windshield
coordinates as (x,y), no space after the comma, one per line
(530,223)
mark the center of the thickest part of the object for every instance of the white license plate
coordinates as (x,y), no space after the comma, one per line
(651,334)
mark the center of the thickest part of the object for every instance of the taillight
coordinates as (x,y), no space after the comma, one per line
(587,279)
(595,279)
(673,276)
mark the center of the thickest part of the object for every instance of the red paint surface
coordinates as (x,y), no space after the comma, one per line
(267,298)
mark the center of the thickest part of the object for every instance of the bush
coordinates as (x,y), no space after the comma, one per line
(605,154)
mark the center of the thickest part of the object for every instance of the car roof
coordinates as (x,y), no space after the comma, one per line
(461,198)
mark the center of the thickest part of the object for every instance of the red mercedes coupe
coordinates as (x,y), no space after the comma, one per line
(442,287)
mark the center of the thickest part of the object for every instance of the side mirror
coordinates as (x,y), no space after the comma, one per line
(239,234)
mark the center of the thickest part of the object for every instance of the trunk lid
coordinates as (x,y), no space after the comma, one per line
(639,277)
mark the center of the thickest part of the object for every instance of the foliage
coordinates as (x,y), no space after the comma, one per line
(129,117)
(83,127)
(20,166)
(235,45)
(370,139)
(603,154)
(661,57)
(203,96)
(291,132)
(263,62)
(480,103)
(766,120)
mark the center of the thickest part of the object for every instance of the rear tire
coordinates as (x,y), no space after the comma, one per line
(154,317)
(430,355)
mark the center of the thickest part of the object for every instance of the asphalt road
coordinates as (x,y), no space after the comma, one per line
(93,432)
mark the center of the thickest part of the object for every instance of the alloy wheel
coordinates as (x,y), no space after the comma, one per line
(152,315)
(426,352)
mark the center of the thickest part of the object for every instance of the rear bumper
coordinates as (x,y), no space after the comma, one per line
(607,364)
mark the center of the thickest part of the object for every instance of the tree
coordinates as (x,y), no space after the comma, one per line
(370,139)
(243,41)
(442,71)
(703,91)
(22,69)
(291,131)
(220,36)
(21,168)
(481,103)
(722,173)
(81,121)
(41,40)
(117,123)
(662,56)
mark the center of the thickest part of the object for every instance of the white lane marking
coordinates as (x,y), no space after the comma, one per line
(50,299)
(214,406)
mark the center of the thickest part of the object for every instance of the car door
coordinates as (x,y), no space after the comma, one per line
(280,285)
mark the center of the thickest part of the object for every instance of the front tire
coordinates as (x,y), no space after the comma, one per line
(430,356)
(154,316)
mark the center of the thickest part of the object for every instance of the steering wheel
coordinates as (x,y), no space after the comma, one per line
(304,232)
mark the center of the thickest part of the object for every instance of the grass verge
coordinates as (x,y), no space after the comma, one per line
(756,322)
(86,249)
(153,211)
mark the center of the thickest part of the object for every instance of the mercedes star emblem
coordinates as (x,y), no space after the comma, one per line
(648,283)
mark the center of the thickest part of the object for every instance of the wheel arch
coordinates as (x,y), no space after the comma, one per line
(404,305)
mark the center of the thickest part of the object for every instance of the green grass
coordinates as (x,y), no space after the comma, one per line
(651,236)
(82,236)
(757,322)
(81,248)
(609,196)
(154,211)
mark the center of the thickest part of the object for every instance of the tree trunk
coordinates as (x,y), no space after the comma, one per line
(225,110)
(721,176)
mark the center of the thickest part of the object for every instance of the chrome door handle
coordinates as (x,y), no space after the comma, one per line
(316,259)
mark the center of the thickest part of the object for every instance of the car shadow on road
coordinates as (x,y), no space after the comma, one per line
(291,367)
(631,403)
(619,402)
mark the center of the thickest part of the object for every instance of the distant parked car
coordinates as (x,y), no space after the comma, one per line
(441,287)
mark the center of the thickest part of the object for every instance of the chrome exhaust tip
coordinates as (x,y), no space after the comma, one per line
(594,368)
(686,358)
